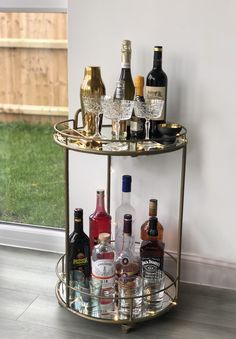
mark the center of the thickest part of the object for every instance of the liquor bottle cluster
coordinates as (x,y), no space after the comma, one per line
(155,87)
(108,268)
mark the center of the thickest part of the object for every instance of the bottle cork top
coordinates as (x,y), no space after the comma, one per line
(139,81)
(104,237)
(153,207)
(158,48)
(127,224)
(100,192)
(78,214)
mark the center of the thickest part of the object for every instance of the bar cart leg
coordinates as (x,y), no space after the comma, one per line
(67,229)
(125,328)
(180,223)
(108,183)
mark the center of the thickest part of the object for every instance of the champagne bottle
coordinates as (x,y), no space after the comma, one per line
(137,125)
(126,76)
(156,88)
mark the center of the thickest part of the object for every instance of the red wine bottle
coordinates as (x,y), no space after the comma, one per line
(156,88)
(99,221)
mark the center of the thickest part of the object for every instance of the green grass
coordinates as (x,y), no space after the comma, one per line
(31,175)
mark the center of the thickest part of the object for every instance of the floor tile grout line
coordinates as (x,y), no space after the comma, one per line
(27,307)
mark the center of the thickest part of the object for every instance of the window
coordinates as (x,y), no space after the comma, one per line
(34,90)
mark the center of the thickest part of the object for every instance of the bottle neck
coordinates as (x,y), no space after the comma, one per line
(125,59)
(78,226)
(125,198)
(126,242)
(100,206)
(139,91)
(157,60)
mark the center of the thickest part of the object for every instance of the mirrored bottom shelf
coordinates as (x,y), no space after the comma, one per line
(109,311)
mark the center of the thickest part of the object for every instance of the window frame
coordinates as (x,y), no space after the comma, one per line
(33,6)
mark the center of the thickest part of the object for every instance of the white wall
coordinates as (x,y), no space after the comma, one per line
(199,42)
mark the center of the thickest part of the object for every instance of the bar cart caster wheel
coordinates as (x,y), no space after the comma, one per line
(126,328)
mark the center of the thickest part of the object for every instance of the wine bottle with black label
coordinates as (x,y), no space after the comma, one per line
(152,252)
(156,88)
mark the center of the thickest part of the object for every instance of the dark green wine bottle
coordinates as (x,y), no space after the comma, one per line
(156,88)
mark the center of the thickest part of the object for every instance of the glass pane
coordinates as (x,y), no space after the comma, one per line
(33,89)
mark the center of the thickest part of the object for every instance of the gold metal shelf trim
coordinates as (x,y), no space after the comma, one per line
(70,138)
(62,278)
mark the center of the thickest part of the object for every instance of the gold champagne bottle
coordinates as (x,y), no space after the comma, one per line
(125,75)
(92,86)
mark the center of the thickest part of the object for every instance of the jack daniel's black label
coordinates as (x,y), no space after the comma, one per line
(151,266)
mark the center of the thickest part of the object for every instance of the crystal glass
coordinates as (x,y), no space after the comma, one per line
(92,106)
(130,291)
(116,110)
(153,290)
(151,109)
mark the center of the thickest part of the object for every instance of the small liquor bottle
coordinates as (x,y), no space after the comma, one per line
(99,221)
(124,208)
(137,125)
(127,265)
(103,271)
(153,205)
(152,253)
(79,249)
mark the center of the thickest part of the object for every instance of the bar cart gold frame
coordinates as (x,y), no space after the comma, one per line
(72,138)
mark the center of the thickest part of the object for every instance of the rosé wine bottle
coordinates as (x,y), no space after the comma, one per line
(99,221)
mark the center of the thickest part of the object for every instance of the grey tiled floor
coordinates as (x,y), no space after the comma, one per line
(29,309)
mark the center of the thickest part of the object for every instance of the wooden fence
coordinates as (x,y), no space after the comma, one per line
(33,65)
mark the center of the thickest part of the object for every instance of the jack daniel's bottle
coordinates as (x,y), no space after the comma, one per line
(152,252)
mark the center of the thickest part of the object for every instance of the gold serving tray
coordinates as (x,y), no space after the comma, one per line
(69,136)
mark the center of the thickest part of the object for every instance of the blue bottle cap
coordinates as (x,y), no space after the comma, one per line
(126,183)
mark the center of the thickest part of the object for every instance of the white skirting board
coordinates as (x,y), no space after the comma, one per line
(194,269)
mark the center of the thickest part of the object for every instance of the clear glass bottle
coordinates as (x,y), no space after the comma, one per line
(103,271)
(156,88)
(99,221)
(124,208)
(127,264)
(152,253)
(153,207)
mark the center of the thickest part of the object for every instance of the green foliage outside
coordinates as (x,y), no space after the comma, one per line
(31,175)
